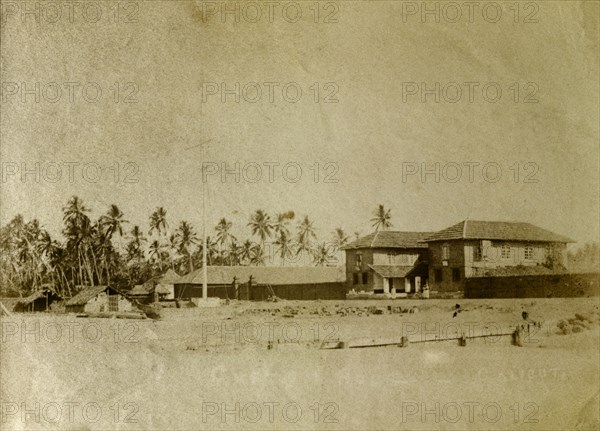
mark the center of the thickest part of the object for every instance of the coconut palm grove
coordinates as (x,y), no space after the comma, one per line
(110,250)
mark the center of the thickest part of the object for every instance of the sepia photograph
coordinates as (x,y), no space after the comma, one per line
(321,215)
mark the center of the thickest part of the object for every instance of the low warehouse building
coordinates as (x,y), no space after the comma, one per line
(98,299)
(257,283)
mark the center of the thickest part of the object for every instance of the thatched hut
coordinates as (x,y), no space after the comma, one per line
(160,288)
(37,301)
(98,299)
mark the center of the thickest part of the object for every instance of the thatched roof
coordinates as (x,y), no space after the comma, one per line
(35,295)
(169,277)
(162,289)
(141,289)
(88,293)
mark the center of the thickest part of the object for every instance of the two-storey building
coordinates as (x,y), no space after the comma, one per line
(489,248)
(387,262)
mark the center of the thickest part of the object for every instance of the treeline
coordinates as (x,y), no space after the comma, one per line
(111,251)
(584,259)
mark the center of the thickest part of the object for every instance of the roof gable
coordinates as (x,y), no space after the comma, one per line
(497,230)
(390,239)
(169,277)
(88,293)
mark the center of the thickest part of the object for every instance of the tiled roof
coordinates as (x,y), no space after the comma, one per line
(88,293)
(391,271)
(274,275)
(390,239)
(497,230)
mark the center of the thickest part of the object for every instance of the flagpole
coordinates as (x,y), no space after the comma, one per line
(204,239)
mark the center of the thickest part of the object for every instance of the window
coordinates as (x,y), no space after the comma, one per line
(478,252)
(528,253)
(505,251)
(437,274)
(445,252)
(390,258)
(455,274)
(355,278)
(365,278)
(358,259)
(113,303)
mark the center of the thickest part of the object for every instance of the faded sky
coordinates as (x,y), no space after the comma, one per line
(368,134)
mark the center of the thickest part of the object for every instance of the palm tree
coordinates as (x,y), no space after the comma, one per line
(234,253)
(54,255)
(158,221)
(258,255)
(137,267)
(172,248)
(322,255)
(381,218)
(283,222)
(186,238)
(14,254)
(224,237)
(137,236)
(110,223)
(78,231)
(155,253)
(74,212)
(30,261)
(135,245)
(305,234)
(260,225)
(29,257)
(339,239)
(246,251)
(284,246)
(213,255)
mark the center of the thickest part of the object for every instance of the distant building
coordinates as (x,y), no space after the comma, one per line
(37,301)
(262,282)
(156,289)
(98,299)
(490,249)
(387,261)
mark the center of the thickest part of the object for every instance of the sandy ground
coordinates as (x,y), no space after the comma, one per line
(259,366)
